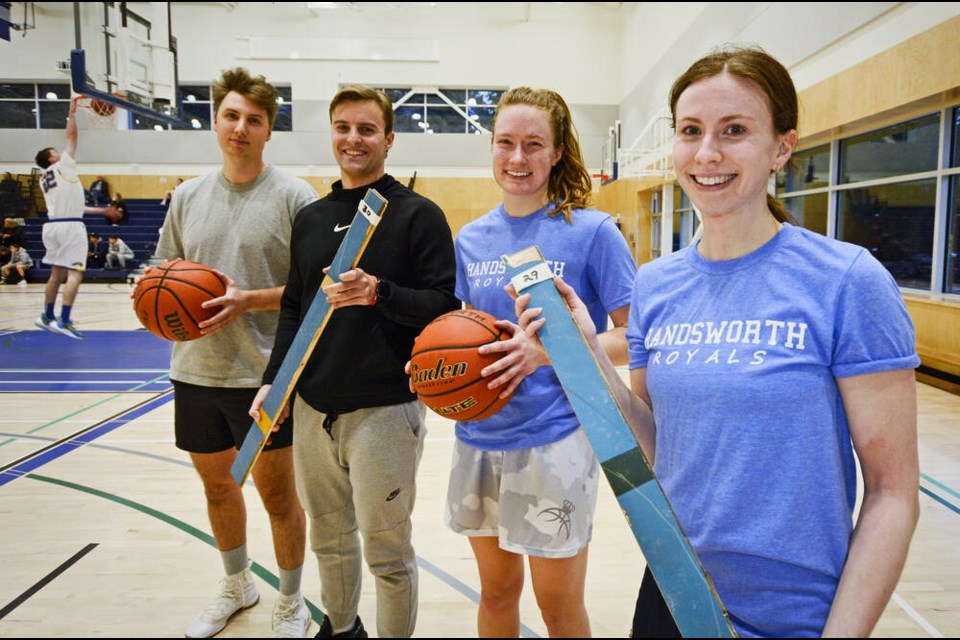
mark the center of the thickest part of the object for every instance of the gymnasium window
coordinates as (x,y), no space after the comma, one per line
(684,218)
(443,110)
(952,262)
(881,190)
(44,105)
(34,105)
(197,101)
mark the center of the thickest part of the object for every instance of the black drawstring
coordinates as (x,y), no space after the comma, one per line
(328,421)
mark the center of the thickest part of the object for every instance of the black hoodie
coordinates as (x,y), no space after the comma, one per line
(358,361)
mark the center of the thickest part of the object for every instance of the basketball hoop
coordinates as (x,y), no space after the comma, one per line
(96,114)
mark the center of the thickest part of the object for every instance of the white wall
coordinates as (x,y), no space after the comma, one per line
(609,60)
(502,44)
(813,39)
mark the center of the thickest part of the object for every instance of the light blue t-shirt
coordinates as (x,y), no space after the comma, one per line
(753,448)
(590,255)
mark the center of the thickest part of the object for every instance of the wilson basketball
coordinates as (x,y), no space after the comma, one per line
(445,365)
(168,297)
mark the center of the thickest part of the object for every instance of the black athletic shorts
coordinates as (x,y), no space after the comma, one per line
(651,616)
(214,419)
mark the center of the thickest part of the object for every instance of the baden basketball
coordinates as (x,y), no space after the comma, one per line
(445,365)
(168,297)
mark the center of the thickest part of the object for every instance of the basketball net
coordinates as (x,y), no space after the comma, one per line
(96,115)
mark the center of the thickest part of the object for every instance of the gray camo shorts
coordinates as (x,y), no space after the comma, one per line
(538,501)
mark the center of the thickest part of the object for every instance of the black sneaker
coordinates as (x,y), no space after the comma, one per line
(326,630)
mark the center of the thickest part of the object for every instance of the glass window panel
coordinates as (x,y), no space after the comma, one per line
(395,94)
(13,90)
(286,93)
(284,121)
(895,223)
(956,138)
(445,120)
(195,93)
(482,116)
(808,169)
(908,147)
(19,114)
(483,97)
(680,200)
(142,122)
(407,119)
(810,211)
(53,91)
(53,115)
(456,96)
(433,98)
(951,280)
(414,99)
(197,116)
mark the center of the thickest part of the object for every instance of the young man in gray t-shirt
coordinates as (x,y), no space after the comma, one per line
(238,221)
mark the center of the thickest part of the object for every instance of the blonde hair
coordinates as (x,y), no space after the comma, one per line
(569,186)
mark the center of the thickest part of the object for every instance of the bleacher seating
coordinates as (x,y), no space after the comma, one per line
(140,231)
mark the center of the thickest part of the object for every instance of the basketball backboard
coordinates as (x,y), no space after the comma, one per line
(127,57)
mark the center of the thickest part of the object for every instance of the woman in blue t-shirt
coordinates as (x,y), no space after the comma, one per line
(771,356)
(524,481)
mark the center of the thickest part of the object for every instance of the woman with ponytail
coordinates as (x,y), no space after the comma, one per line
(524,481)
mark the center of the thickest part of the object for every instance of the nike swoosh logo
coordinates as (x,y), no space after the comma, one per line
(338,228)
(393,494)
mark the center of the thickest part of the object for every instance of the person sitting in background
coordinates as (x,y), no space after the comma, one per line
(117,253)
(96,252)
(99,193)
(12,232)
(9,189)
(121,206)
(169,194)
(15,271)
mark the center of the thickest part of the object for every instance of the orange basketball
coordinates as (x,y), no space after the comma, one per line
(445,365)
(168,297)
(102,108)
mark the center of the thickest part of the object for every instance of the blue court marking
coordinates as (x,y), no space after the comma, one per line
(105,361)
(44,456)
(942,501)
(940,485)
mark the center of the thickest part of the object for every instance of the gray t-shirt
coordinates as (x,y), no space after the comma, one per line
(242,230)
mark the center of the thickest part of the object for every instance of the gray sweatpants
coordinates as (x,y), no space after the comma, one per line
(362,474)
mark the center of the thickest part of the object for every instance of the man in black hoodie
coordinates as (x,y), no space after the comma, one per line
(359,429)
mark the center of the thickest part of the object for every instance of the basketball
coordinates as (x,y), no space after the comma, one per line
(102,108)
(168,297)
(445,365)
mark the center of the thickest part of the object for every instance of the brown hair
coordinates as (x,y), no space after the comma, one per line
(256,89)
(358,93)
(757,66)
(569,185)
(43,157)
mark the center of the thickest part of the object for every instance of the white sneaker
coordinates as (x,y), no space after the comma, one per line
(291,617)
(236,592)
(22,283)
(47,324)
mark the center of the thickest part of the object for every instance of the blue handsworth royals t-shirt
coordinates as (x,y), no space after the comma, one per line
(753,448)
(591,255)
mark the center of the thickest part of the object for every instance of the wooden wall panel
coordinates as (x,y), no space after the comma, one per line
(938,336)
(917,69)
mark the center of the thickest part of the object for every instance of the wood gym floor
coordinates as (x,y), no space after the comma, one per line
(105,532)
